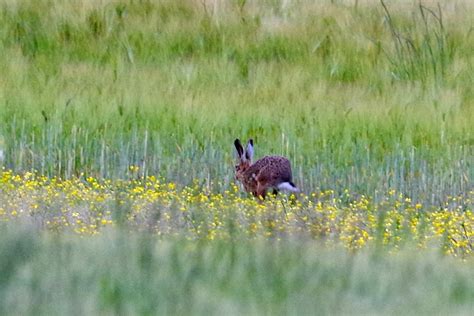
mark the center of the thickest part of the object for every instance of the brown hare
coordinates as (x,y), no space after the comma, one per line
(269,172)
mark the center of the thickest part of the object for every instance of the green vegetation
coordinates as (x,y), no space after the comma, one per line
(123,274)
(373,103)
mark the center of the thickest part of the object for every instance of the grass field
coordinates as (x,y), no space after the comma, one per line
(136,274)
(117,122)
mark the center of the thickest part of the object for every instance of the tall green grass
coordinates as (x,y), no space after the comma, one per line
(136,274)
(360,97)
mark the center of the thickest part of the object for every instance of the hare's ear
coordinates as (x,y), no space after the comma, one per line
(249,150)
(240,149)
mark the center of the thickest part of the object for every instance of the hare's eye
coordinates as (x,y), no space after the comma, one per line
(236,167)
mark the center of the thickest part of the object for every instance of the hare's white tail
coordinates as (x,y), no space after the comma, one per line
(288,186)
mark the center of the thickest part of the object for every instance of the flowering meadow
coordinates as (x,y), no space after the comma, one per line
(117,187)
(99,245)
(87,206)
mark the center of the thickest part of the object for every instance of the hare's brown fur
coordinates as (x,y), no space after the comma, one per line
(266,173)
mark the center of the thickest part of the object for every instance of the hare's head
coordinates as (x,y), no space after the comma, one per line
(244,158)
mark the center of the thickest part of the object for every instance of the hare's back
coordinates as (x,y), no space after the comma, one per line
(272,168)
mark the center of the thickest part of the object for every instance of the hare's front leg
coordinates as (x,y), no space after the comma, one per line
(261,190)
